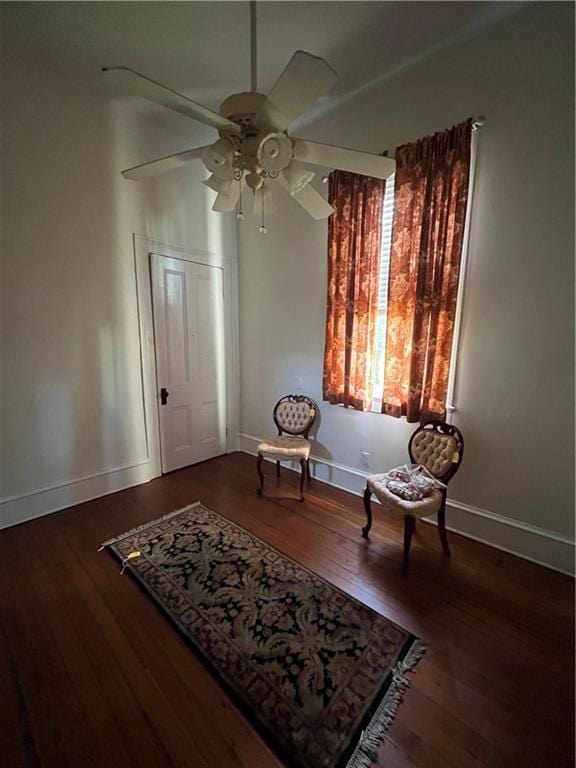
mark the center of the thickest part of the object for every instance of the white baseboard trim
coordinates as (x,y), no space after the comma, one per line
(530,542)
(19,509)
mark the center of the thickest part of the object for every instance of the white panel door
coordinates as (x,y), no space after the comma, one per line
(188,304)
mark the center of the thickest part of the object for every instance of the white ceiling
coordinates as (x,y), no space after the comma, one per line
(202,48)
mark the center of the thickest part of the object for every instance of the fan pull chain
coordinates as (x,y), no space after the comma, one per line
(263,229)
(239,213)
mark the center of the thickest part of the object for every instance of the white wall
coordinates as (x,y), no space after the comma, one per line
(72,398)
(515,381)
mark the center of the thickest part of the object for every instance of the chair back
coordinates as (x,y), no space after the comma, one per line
(295,414)
(439,447)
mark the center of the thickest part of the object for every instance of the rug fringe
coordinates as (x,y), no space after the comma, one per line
(366,752)
(150,524)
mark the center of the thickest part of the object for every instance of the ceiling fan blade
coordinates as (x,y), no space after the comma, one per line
(162,165)
(304,80)
(226,201)
(138,85)
(328,156)
(311,200)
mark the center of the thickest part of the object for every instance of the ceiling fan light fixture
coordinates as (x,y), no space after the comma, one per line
(218,159)
(297,177)
(254,145)
(274,152)
(218,185)
(254,180)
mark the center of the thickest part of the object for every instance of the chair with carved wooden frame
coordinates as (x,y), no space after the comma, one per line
(294,416)
(439,448)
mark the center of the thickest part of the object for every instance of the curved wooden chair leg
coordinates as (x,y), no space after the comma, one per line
(308,473)
(260,475)
(442,528)
(277,469)
(409,525)
(302,476)
(368,510)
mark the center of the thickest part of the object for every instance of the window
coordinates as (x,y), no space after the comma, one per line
(384,274)
(391,318)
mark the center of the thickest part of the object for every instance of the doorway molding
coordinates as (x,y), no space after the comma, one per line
(143,247)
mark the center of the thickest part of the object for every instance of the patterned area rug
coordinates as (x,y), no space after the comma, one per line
(321,674)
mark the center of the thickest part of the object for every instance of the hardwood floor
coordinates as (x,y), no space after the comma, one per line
(92,674)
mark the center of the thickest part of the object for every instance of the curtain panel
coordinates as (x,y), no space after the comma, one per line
(354,232)
(430,199)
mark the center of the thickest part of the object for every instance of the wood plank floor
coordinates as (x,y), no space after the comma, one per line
(92,674)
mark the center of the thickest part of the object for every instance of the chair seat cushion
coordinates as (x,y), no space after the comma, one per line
(429,505)
(285,447)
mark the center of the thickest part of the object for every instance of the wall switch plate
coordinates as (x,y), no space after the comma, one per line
(300,384)
(365,456)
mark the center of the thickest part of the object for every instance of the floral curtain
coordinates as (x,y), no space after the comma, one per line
(353,260)
(431,194)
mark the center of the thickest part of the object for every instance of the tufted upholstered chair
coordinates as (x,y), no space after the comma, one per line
(294,416)
(439,447)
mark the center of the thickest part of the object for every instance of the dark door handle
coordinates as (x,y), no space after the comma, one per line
(164,396)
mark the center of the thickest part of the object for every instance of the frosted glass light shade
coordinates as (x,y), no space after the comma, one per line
(274,152)
(297,176)
(218,159)
(218,185)
(263,197)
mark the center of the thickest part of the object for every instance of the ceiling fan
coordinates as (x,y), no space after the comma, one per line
(254,146)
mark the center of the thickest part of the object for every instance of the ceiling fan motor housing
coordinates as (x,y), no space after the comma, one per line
(260,152)
(241,108)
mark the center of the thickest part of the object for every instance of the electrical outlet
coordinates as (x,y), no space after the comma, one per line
(299,385)
(365,458)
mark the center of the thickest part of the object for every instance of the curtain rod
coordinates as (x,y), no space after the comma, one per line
(477,123)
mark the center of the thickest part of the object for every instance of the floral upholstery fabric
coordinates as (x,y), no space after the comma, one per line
(429,505)
(285,448)
(434,451)
(294,417)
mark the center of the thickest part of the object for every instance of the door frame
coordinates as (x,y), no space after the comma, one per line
(143,247)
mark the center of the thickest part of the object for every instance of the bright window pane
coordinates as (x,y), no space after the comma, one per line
(380,350)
